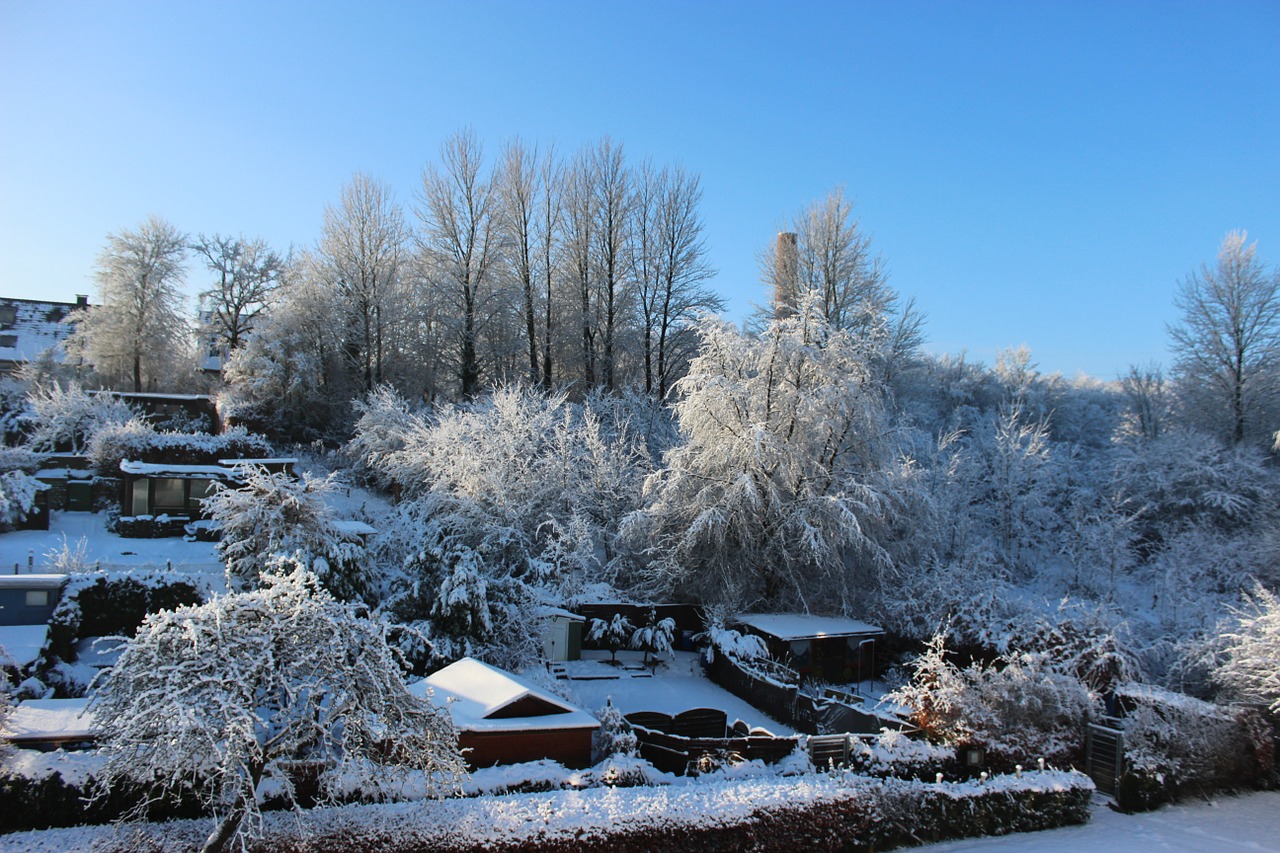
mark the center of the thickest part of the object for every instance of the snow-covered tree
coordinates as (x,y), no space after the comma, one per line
(1251,647)
(138,337)
(774,495)
(654,637)
(1228,343)
(66,419)
(613,635)
(251,685)
(270,514)
(246,272)
(383,426)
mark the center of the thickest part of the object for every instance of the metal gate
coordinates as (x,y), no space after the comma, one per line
(1104,756)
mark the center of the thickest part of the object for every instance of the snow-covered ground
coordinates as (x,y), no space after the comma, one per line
(679,686)
(1250,822)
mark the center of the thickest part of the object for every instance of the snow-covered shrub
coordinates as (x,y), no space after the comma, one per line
(17,497)
(1251,648)
(1019,708)
(248,685)
(100,605)
(68,419)
(613,635)
(138,441)
(381,429)
(615,735)
(1176,744)
(654,637)
(268,514)
(729,642)
(68,559)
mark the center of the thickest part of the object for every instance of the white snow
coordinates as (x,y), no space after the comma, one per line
(23,643)
(41,719)
(799,626)
(32,581)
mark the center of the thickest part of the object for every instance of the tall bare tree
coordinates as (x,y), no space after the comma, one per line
(363,248)
(550,239)
(246,272)
(456,210)
(519,192)
(1228,343)
(612,191)
(579,227)
(671,270)
(139,333)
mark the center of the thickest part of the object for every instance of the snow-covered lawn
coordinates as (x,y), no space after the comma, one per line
(679,685)
(1250,822)
(111,551)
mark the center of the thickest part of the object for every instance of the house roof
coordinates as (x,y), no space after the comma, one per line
(161,469)
(23,643)
(481,697)
(32,581)
(51,719)
(801,626)
(37,326)
(559,612)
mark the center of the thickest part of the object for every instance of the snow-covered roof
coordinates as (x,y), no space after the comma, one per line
(800,626)
(354,528)
(48,719)
(36,327)
(161,469)
(480,693)
(560,612)
(23,643)
(275,460)
(32,581)
(155,395)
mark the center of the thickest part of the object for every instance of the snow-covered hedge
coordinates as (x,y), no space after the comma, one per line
(139,442)
(1177,745)
(816,812)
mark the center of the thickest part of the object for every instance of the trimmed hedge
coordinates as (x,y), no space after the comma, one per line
(105,606)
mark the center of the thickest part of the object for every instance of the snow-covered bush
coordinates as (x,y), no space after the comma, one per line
(268,514)
(1251,649)
(97,604)
(383,425)
(17,497)
(613,635)
(68,559)
(67,419)
(615,735)
(654,637)
(247,686)
(1019,708)
(138,441)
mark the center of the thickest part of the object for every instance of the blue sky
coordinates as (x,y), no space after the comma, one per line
(1040,173)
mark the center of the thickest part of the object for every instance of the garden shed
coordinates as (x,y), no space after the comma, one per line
(561,633)
(503,719)
(834,649)
(29,599)
(164,489)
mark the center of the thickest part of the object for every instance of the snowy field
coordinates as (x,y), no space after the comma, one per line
(1226,825)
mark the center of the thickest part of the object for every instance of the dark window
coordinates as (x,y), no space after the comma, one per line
(8,341)
(8,315)
(169,495)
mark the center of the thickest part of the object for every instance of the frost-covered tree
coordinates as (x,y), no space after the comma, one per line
(247,273)
(1228,343)
(654,637)
(254,685)
(1251,648)
(613,635)
(267,515)
(382,427)
(138,337)
(67,418)
(774,496)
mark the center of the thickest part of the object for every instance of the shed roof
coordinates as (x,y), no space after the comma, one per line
(51,719)
(162,469)
(485,698)
(32,581)
(802,626)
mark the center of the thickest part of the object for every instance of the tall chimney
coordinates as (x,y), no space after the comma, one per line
(786,260)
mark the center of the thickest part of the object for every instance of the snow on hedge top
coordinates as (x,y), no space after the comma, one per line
(41,719)
(159,469)
(481,697)
(799,626)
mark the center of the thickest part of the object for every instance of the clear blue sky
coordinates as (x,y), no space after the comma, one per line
(1040,172)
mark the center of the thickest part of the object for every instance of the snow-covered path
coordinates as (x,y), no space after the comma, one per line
(1228,824)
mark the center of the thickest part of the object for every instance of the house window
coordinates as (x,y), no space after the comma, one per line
(37,598)
(141,497)
(9,341)
(169,495)
(200,489)
(8,315)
